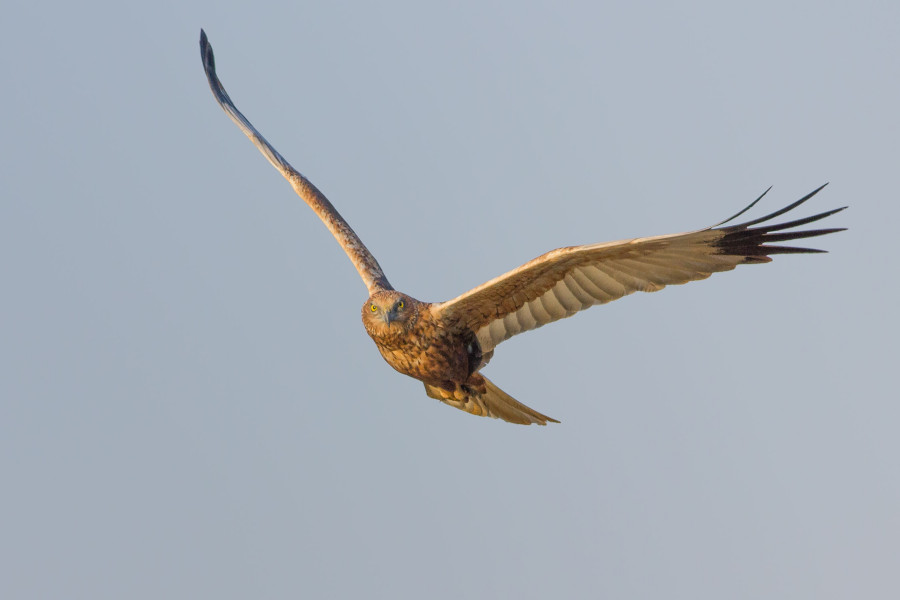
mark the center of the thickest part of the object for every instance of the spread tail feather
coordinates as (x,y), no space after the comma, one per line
(479,396)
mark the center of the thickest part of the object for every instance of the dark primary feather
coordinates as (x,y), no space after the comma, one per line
(751,242)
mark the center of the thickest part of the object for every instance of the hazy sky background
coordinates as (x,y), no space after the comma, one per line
(190,407)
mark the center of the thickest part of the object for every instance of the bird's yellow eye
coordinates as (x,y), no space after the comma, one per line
(400,304)
(373,308)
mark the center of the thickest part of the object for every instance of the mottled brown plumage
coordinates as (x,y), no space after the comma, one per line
(444,345)
(415,341)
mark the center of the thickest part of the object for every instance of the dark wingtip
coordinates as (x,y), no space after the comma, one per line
(752,242)
(778,213)
(745,209)
(206,53)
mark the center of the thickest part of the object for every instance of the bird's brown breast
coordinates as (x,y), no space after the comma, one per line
(426,350)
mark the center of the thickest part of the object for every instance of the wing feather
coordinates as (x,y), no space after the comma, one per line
(365,263)
(585,300)
(592,288)
(564,281)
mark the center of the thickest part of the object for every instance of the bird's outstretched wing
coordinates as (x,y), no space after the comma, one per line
(365,263)
(565,281)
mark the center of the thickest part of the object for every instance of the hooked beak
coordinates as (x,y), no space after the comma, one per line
(390,316)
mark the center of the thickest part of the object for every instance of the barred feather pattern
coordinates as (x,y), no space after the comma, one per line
(565,281)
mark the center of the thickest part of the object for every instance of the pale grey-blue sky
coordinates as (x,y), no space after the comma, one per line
(190,407)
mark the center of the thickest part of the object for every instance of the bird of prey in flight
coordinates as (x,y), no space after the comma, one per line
(446,344)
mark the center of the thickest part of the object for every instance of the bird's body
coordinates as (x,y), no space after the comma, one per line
(416,341)
(445,344)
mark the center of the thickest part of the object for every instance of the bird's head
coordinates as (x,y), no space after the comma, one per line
(389,312)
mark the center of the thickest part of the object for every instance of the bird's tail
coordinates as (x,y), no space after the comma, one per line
(479,396)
